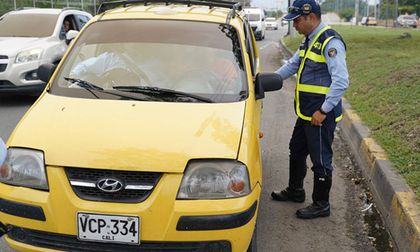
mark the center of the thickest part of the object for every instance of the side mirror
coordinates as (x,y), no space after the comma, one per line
(45,72)
(266,82)
(70,35)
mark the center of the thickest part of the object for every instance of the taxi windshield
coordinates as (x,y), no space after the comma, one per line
(203,59)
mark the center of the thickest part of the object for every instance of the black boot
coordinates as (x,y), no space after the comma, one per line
(320,196)
(294,192)
(289,194)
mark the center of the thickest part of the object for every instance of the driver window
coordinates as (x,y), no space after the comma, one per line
(68,23)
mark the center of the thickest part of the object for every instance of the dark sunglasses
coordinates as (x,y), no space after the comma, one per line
(294,10)
(304,10)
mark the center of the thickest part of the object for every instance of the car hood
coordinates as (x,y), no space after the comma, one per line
(129,135)
(13,45)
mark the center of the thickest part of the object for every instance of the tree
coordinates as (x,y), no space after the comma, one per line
(409,6)
(276,14)
(346,13)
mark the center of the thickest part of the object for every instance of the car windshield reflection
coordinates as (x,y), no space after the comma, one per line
(191,65)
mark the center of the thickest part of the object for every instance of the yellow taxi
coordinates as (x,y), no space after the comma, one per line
(146,138)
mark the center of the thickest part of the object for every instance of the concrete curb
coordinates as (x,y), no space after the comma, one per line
(393,197)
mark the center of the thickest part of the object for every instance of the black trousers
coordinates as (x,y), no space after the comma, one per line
(315,141)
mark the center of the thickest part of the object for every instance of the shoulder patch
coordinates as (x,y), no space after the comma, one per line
(332,52)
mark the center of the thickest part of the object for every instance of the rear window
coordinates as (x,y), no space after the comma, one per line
(197,58)
(27,25)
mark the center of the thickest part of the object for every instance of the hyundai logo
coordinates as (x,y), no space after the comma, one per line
(109,185)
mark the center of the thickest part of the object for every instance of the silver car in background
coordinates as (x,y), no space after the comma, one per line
(30,38)
(407,21)
(271,23)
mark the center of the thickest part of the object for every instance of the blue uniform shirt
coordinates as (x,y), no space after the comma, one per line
(336,67)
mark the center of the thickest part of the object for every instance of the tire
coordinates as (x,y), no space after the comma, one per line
(253,245)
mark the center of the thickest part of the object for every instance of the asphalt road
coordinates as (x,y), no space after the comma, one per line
(278,228)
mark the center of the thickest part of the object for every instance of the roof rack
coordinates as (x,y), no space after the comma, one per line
(211,3)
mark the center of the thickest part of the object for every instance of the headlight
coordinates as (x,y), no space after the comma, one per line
(24,167)
(214,179)
(29,55)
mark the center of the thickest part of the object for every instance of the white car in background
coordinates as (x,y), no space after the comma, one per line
(256,17)
(271,23)
(31,37)
(407,21)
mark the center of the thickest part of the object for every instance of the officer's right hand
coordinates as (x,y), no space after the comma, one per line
(318,118)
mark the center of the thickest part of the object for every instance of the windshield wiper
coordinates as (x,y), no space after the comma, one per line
(83,83)
(90,86)
(161,91)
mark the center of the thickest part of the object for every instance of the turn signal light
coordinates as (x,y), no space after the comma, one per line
(237,185)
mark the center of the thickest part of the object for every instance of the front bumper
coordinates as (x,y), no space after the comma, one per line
(30,240)
(20,76)
(7,87)
(227,223)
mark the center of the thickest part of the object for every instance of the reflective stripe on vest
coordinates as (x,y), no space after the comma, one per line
(307,87)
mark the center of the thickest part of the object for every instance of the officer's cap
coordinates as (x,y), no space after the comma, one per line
(302,8)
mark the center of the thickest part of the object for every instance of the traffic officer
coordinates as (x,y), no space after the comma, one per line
(322,78)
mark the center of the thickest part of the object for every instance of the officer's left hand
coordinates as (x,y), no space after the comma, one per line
(318,118)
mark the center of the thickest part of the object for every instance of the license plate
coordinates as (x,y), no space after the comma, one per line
(108,228)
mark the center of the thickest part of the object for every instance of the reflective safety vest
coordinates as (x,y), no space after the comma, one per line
(313,78)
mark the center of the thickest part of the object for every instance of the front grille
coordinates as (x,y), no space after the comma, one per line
(71,243)
(85,184)
(3,62)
